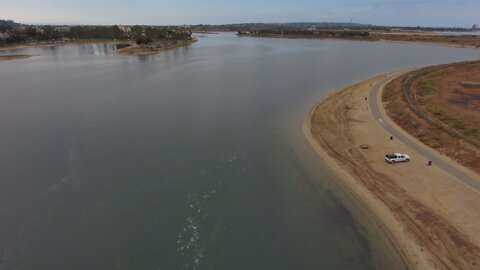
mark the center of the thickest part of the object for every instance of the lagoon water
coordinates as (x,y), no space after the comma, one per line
(190,159)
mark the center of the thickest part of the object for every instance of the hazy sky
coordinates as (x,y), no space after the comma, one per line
(384,12)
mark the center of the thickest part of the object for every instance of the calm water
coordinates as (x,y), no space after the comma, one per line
(191,159)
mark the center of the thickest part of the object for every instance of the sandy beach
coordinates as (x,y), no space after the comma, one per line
(432,218)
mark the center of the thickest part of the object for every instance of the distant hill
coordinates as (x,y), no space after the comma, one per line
(8,24)
(277,26)
(318,25)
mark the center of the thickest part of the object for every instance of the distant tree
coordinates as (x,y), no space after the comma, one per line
(49,33)
(136,30)
(14,39)
(143,39)
(31,32)
(162,34)
(117,33)
(8,24)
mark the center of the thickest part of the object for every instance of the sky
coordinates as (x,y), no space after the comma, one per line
(448,13)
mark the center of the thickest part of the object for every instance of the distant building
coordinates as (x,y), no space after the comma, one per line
(4,35)
(475,27)
(125,29)
(62,28)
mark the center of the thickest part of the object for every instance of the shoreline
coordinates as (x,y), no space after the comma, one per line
(347,182)
(400,227)
(149,50)
(130,50)
(440,44)
(48,45)
(79,42)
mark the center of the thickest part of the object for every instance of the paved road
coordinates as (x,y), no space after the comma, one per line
(468,180)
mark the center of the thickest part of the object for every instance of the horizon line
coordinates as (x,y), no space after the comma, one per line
(239,23)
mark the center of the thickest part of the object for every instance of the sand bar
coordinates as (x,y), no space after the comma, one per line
(14,57)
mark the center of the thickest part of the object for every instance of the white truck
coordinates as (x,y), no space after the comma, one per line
(396,157)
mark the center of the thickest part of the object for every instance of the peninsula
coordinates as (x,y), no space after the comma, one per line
(453,37)
(137,39)
(14,57)
(430,215)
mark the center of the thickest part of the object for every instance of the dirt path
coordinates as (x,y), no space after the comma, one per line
(433,220)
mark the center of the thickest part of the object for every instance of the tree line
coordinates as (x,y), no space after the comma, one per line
(141,34)
(321,33)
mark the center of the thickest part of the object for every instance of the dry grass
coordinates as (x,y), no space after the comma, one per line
(439,93)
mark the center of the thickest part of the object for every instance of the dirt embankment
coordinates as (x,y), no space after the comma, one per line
(441,107)
(433,220)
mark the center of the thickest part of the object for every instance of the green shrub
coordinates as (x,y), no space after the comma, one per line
(471,132)
(425,87)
